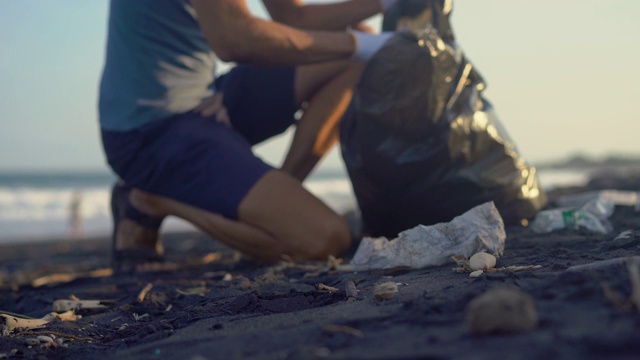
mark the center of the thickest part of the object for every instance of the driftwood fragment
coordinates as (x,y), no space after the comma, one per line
(321,286)
(13,322)
(343,329)
(351,290)
(63,305)
(603,264)
(198,290)
(67,277)
(144,292)
(333,263)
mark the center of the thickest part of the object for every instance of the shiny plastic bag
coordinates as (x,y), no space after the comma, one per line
(420,142)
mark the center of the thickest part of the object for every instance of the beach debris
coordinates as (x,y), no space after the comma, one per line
(53,278)
(351,290)
(68,277)
(47,341)
(633,267)
(343,329)
(214,274)
(627,239)
(333,263)
(169,308)
(480,228)
(211,257)
(592,216)
(464,265)
(311,274)
(227,277)
(519,268)
(66,316)
(143,293)
(15,321)
(63,305)
(617,299)
(385,291)
(58,336)
(603,263)
(627,234)
(617,197)
(482,261)
(198,290)
(321,286)
(138,317)
(501,310)
(32,342)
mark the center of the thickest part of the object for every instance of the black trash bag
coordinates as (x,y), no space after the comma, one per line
(420,143)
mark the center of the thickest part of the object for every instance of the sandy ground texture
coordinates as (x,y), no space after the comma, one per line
(218,305)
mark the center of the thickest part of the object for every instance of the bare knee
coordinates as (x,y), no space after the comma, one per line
(332,237)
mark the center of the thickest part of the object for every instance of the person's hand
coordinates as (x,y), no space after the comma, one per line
(214,106)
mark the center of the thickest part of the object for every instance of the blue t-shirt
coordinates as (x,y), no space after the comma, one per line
(158,63)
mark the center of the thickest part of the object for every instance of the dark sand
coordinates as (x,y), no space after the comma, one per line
(277,312)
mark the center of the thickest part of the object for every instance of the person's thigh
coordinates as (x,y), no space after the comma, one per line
(260,101)
(189,158)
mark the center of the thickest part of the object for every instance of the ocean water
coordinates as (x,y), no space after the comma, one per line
(40,205)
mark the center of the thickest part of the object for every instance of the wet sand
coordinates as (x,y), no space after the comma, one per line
(219,305)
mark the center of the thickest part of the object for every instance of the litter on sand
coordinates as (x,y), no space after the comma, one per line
(479,229)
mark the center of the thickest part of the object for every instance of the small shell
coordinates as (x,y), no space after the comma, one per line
(31,342)
(45,339)
(482,261)
(476,273)
(385,291)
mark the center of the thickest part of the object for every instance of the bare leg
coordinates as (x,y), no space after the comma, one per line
(277,217)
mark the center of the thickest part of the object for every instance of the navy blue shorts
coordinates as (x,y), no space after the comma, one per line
(200,161)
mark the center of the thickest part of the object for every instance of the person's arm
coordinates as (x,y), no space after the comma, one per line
(334,16)
(234,34)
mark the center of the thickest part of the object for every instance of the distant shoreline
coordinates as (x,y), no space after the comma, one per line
(584,162)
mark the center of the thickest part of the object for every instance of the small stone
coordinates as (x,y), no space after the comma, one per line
(385,291)
(502,310)
(32,342)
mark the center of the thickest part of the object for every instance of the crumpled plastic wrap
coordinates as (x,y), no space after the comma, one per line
(479,229)
(420,142)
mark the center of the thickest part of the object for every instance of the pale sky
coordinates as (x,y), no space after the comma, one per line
(563,77)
